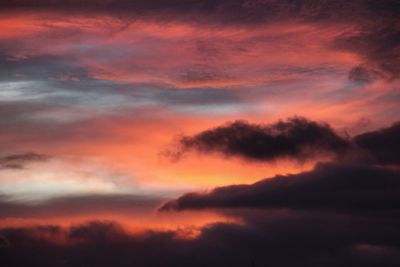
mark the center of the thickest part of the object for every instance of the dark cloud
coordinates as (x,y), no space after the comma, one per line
(338,214)
(267,238)
(97,232)
(296,138)
(335,215)
(19,161)
(328,187)
(244,11)
(382,144)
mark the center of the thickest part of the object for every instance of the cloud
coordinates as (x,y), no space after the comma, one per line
(362,74)
(370,28)
(340,207)
(296,138)
(378,44)
(39,67)
(97,232)
(77,205)
(19,161)
(342,188)
(245,11)
(273,239)
(335,215)
(202,74)
(382,144)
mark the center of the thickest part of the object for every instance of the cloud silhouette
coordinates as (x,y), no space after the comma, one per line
(335,187)
(268,238)
(382,144)
(296,138)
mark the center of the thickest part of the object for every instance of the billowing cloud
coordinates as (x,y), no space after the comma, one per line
(296,138)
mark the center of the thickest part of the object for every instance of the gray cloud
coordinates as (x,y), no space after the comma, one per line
(78,205)
(20,161)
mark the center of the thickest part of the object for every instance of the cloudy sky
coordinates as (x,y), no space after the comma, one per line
(200,133)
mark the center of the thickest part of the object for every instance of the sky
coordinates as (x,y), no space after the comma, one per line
(200,133)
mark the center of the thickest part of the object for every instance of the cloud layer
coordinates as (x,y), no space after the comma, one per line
(382,144)
(334,187)
(274,239)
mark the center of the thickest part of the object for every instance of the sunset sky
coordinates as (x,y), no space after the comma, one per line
(200,133)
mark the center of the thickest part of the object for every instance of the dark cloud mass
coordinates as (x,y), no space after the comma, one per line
(267,239)
(296,138)
(340,188)
(383,144)
(338,214)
